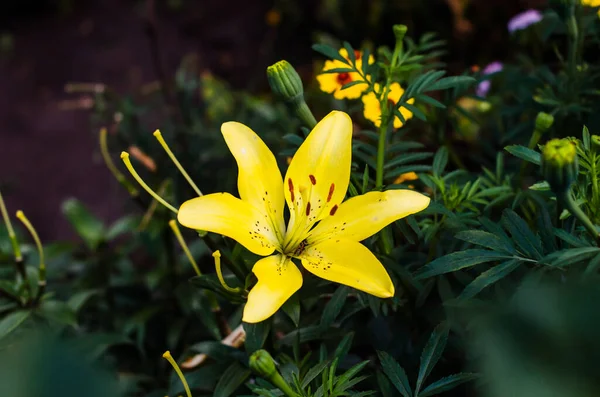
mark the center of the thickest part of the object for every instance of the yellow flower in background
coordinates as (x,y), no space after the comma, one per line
(372,105)
(591,3)
(313,188)
(332,83)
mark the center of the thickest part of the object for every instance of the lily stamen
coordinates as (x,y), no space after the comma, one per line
(163,143)
(184,246)
(111,165)
(11,232)
(136,176)
(167,356)
(217,256)
(36,238)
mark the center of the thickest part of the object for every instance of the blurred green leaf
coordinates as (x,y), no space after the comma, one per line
(89,228)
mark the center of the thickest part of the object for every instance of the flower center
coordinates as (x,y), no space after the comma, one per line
(344,78)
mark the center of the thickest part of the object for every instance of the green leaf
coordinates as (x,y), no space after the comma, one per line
(233,377)
(345,381)
(489,277)
(57,311)
(486,239)
(334,306)
(218,351)
(313,373)
(10,322)
(88,227)
(79,299)
(291,307)
(329,52)
(256,335)
(440,161)
(122,226)
(447,383)
(211,282)
(524,153)
(570,256)
(353,83)
(526,240)
(431,354)
(451,82)
(395,373)
(458,260)
(344,347)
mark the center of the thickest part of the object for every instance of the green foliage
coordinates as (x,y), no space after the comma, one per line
(472,314)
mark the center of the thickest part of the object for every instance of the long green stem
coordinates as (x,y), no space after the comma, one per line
(568,203)
(381,151)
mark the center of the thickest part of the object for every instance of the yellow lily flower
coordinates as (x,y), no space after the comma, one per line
(314,187)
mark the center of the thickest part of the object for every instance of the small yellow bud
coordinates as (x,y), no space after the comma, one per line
(543,122)
(559,164)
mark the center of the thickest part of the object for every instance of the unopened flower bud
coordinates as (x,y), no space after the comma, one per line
(595,140)
(287,85)
(559,164)
(543,122)
(263,364)
(400,31)
(285,81)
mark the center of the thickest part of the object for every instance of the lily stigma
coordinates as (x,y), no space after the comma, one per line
(323,231)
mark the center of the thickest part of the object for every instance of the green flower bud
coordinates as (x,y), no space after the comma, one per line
(263,364)
(559,164)
(595,139)
(543,122)
(287,85)
(400,31)
(285,81)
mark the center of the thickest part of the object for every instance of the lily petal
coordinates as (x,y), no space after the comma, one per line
(227,215)
(278,279)
(363,216)
(259,178)
(318,176)
(350,263)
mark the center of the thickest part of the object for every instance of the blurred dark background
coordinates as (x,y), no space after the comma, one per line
(48,149)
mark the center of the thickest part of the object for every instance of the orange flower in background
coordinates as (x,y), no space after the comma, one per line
(407,176)
(372,110)
(332,83)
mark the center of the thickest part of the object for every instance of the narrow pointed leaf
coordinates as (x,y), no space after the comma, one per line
(431,354)
(395,373)
(447,383)
(489,277)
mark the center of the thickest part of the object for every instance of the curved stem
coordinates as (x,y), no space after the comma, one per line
(568,203)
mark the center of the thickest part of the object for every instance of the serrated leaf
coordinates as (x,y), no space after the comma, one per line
(524,153)
(395,373)
(313,373)
(570,256)
(233,377)
(488,278)
(431,354)
(485,239)
(447,383)
(457,261)
(522,235)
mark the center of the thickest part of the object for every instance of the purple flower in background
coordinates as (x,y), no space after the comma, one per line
(484,86)
(523,20)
